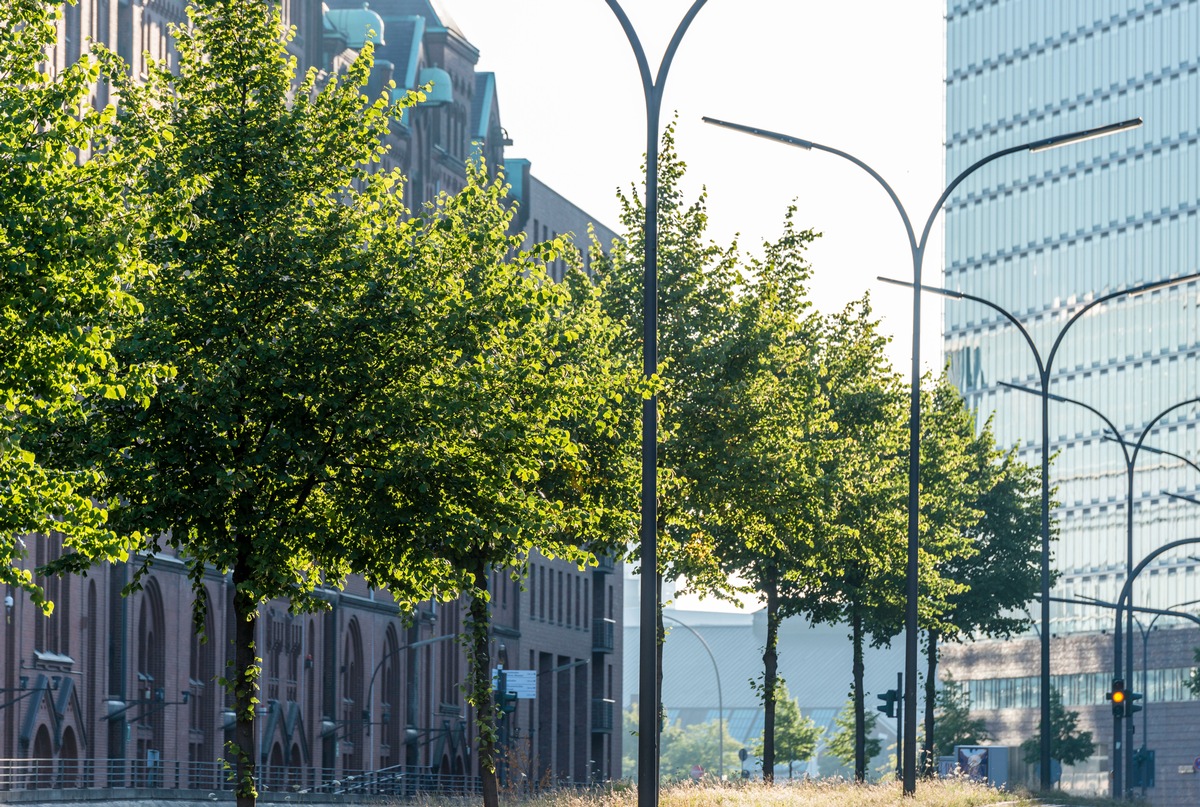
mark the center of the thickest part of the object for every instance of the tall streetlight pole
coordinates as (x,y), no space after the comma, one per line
(1130,455)
(1044,367)
(917,248)
(720,697)
(649,695)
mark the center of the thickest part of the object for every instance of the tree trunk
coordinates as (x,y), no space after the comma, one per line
(860,718)
(659,646)
(481,687)
(244,679)
(929,763)
(770,673)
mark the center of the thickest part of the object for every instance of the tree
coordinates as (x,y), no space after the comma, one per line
(857,575)
(854,736)
(796,736)
(71,250)
(999,513)
(697,744)
(768,431)
(696,297)
(954,724)
(696,280)
(288,332)
(516,436)
(1067,744)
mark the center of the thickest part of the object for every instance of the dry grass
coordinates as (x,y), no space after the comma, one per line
(820,793)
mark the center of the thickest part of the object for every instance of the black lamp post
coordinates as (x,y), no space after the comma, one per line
(917,248)
(1130,455)
(649,694)
(1044,368)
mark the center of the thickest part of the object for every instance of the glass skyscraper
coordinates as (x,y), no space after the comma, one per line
(1041,234)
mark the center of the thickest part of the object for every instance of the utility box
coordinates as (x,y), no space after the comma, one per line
(983,763)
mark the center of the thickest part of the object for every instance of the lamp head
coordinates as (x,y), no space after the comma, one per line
(1087,134)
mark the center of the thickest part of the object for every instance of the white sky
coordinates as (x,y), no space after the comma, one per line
(864,77)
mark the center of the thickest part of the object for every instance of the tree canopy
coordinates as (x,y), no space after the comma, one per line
(70,243)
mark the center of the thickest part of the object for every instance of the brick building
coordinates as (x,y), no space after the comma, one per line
(119,691)
(1002,688)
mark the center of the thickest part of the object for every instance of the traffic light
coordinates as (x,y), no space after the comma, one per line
(889,698)
(506,702)
(1117,696)
(1131,703)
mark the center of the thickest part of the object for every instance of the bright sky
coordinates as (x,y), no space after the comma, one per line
(864,77)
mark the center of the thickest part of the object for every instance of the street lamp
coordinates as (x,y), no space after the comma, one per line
(917,247)
(1145,631)
(650,697)
(1130,457)
(1044,368)
(720,696)
(366,712)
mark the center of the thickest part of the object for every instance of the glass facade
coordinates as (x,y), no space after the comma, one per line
(1042,234)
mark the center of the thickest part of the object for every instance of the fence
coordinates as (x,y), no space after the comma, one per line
(402,781)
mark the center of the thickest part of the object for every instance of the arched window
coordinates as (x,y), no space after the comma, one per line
(390,698)
(151,682)
(353,701)
(202,694)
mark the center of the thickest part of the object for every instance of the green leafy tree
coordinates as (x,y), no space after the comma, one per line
(953,724)
(857,576)
(853,736)
(697,744)
(1068,744)
(796,736)
(768,433)
(515,439)
(697,281)
(696,293)
(998,511)
(70,246)
(288,332)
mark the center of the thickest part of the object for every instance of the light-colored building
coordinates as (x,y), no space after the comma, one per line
(1042,235)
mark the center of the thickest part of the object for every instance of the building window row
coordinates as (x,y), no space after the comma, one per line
(559,597)
(1079,689)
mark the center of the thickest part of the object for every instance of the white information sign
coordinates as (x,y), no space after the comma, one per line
(522,682)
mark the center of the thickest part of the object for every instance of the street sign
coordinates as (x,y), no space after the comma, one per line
(697,772)
(523,683)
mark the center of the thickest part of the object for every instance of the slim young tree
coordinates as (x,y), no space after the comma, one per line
(769,434)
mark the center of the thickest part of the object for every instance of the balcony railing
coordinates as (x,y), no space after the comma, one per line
(603,635)
(602,715)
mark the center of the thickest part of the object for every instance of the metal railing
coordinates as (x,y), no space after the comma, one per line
(399,780)
(602,715)
(603,635)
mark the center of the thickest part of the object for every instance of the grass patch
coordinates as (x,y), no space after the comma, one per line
(816,793)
